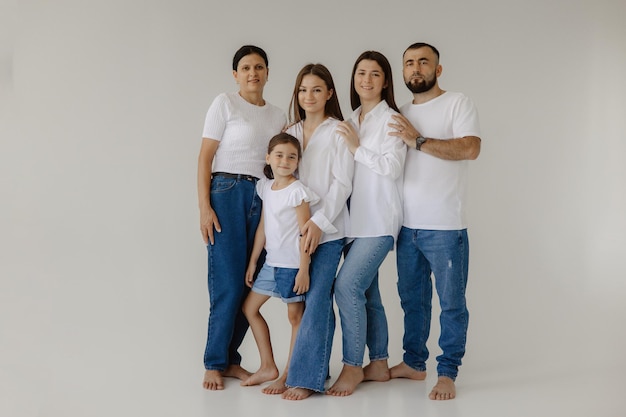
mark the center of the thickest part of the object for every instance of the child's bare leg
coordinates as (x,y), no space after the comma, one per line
(402,370)
(294,312)
(213,380)
(268,370)
(443,390)
(349,378)
(277,386)
(236,371)
(296,394)
(376,371)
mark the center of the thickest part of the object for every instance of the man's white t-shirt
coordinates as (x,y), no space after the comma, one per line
(435,190)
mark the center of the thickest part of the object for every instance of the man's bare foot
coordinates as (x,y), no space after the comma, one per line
(236,371)
(443,390)
(349,378)
(295,394)
(276,387)
(213,380)
(376,371)
(402,370)
(260,376)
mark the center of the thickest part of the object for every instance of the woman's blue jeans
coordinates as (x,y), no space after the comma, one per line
(445,254)
(363,319)
(238,210)
(311,353)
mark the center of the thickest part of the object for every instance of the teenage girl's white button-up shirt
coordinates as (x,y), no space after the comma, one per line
(327,168)
(376,202)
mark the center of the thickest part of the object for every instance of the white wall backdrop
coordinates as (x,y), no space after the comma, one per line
(102,268)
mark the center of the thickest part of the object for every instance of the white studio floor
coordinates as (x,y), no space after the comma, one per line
(489,393)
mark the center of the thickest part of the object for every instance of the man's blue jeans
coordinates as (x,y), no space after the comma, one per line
(238,210)
(363,319)
(445,254)
(311,353)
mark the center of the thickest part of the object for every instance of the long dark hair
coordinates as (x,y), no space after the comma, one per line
(280,139)
(387,93)
(332,108)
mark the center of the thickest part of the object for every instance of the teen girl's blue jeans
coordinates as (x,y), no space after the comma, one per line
(445,254)
(363,319)
(311,353)
(238,210)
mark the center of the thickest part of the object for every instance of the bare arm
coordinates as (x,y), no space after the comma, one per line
(302,284)
(257,247)
(208,218)
(454,149)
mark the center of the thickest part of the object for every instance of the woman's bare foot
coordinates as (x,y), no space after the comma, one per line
(402,370)
(260,376)
(443,390)
(376,371)
(213,380)
(236,371)
(276,387)
(349,378)
(297,394)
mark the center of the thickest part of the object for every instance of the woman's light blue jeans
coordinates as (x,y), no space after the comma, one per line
(363,319)
(311,353)
(238,210)
(445,254)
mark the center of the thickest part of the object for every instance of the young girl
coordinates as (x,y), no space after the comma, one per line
(375,220)
(286,270)
(327,167)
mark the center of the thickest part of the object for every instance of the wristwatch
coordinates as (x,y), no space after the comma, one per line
(419,142)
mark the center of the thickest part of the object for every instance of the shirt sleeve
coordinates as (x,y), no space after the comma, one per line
(302,194)
(260,187)
(465,118)
(216,118)
(340,189)
(389,161)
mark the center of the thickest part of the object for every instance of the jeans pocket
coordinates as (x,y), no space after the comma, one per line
(220,185)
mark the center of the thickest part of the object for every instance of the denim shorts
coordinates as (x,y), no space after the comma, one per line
(277,282)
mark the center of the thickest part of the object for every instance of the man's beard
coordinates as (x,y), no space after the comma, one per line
(421,86)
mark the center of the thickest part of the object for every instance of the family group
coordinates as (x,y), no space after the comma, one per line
(283,199)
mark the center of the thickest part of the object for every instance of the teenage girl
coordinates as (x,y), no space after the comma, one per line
(327,167)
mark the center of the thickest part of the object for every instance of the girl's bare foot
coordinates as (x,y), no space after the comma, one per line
(402,370)
(443,390)
(276,387)
(236,371)
(376,371)
(213,380)
(349,378)
(260,376)
(295,394)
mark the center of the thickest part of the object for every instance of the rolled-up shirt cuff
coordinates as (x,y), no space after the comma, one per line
(323,223)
